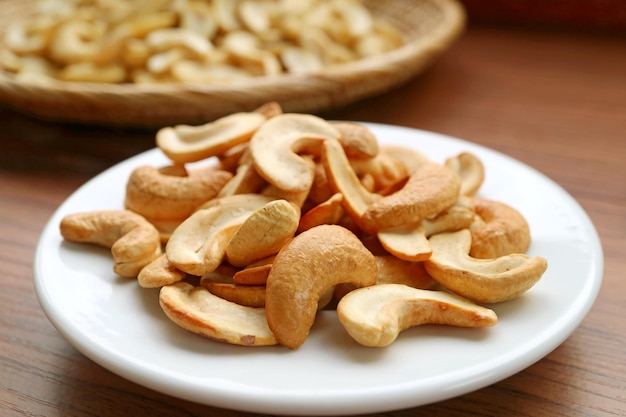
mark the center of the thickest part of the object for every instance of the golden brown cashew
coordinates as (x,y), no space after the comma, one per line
(29,37)
(275,149)
(328,212)
(246,180)
(198,245)
(431,189)
(407,242)
(75,41)
(309,265)
(470,170)
(502,230)
(157,195)
(158,273)
(375,316)
(357,140)
(295,197)
(197,310)
(460,216)
(384,169)
(134,241)
(409,157)
(482,280)
(342,178)
(393,270)
(254,274)
(171,38)
(185,143)
(245,295)
(263,233)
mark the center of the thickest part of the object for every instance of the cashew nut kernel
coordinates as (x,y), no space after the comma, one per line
(375,316)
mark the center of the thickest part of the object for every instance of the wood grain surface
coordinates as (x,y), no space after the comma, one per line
(554,100)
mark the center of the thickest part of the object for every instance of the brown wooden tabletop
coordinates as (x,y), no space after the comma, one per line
(555,100)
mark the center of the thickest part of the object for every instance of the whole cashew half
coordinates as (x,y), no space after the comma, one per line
(155,194)
(375,316)
(470,170)
(134,241)
(500,230)
(308,266)
(431,189)
(276,145)
(184,143)
(483,280)
(198,245)
(263,233)
(197,310)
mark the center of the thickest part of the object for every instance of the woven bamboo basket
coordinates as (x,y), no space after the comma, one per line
(429,27)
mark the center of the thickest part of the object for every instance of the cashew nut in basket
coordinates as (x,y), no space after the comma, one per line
(375,316)
(308,266)
(134,241)
(482,280)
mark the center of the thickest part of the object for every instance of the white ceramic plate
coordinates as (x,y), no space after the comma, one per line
(121,327)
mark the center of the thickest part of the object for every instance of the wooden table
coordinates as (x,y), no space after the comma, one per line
(554,100)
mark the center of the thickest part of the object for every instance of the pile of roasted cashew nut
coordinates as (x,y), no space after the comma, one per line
(298,214)
(189,41)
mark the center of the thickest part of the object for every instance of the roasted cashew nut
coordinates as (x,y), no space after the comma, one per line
(357,140)
(276,146)
(184,143)
(75,41)
(501,230)
(482,280)
(134,241)
(308,266)
(384,169)
(431,189)
(198,245)
(470,170)
(158,273)
(254,274)
(343,179)
(410,242)
(409,157)
(263,233)
(29,37)
(157,195)
(374,316)
(393,270)
(245,295)
(295,197)
(328,212)
(246,180)
(197,310)
(407,242)
(170,38)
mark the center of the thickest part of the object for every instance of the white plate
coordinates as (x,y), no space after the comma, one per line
(121,327)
